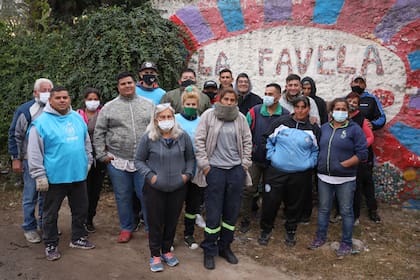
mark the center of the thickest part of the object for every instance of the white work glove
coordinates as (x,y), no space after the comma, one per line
(42,184)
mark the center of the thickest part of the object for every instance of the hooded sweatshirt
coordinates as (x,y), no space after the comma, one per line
(246,100)
(320,103)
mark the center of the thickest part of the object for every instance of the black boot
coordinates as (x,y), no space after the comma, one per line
(209,262)
(228,255)
(290,239)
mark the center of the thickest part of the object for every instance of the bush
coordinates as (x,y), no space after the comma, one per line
(90,53)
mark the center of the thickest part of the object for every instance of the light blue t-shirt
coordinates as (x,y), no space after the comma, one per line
(189,126)
(155,94)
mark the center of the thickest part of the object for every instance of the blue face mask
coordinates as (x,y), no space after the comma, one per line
(268,100)
(340,116)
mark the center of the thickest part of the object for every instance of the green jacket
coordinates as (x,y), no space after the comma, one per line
(174,97)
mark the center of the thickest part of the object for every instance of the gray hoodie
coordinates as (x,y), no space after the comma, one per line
(120,124)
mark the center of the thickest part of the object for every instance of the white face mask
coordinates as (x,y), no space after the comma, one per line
(44,96)
(268,100)
(92,105)
(166,125)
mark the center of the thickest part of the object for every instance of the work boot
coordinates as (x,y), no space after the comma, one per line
(228,255)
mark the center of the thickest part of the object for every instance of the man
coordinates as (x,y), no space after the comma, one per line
(210,89)
(259,119)
(22,118)
(120,124)
(247,99)
(188,78)
(293,90)
(148,87)
(225,78)
(309,89)
(59,157)
(371,109)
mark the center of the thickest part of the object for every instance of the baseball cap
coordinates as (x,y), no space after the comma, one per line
(148,65)
(208,84)
(359,77)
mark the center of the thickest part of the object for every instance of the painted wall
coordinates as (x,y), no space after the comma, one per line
(330,41)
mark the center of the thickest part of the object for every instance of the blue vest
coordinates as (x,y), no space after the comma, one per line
(65,158)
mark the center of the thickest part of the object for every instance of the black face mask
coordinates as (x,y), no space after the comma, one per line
(357,89)
(187,83)
(149,79)
(210,94)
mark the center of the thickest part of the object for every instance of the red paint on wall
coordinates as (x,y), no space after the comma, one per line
(211,14)
(302,13)
(250,10)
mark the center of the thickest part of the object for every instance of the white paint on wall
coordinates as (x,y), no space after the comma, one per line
(259,53)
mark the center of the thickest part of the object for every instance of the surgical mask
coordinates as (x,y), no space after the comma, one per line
(357,89)
(92,105)
(187,83)
(340,116)
(149,79)
(268,100)
(166,125)
(190,111)
(44,96)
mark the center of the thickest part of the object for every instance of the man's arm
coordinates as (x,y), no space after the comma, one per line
(36,154)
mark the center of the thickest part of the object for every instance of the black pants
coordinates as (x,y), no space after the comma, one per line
(193,200)
(94,182)
(307,204)
(365,186)
(289,188)
(78,202)
(163,210)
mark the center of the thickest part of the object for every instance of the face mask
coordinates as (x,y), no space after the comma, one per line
(268,100)
(44,96)
(190,111)
(352,108)
(187,83)
(92,105)
(166,125)
(210,94)
(149,79)
(340,116)
(357,89)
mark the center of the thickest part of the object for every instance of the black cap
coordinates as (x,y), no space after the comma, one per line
(148,65)
(208,84)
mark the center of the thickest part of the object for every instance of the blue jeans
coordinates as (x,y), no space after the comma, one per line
(29,199)
(123,183)
(345,194)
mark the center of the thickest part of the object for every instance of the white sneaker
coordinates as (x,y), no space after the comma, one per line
(199,221)
(356,222)
(32,236)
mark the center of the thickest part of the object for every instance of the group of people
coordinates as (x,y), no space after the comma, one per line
(220,147)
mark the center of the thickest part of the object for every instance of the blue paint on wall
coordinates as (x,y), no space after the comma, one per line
(408,136)
(414,59)
(327,11)
(232,14)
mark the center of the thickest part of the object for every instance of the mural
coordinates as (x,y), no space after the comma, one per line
(330,41)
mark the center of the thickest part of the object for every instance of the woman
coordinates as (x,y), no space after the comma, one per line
(223,152)
(292,148)
(96,173)
(188,120)
(342,147)
(364,180)
(165,158)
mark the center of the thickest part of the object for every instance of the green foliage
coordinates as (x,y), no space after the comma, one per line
(90,53)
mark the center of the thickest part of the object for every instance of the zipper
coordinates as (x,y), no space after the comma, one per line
(329,151)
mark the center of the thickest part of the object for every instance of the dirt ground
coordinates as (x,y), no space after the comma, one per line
(392,251)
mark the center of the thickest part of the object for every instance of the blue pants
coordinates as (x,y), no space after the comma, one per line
(222,199)
(29,199)
(344,193)
(123,184)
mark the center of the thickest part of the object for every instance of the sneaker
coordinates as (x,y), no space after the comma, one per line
(90,228)
(335,219)
(199,221)
(32,236)
(264,238)
(52,253)
(343,250)
(170,259)
(190,242)
(156,264)
(290,239)
(82,243)
(373,216)
(124,236)
(318,242)
(245,226)
(304,221)
(356,222)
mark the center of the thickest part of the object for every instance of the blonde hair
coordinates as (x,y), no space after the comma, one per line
(152,127)
(191,92)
